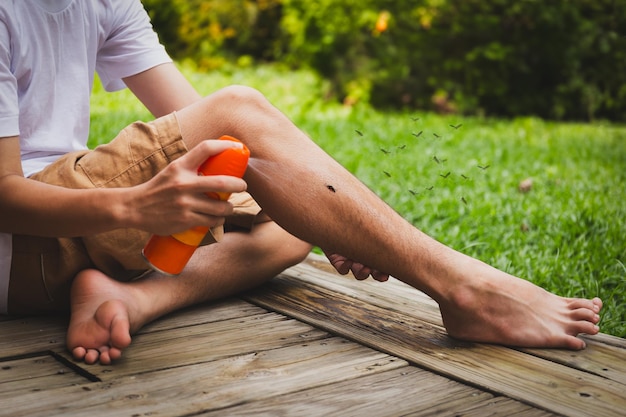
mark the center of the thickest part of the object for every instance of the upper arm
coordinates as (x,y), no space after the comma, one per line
(162,89)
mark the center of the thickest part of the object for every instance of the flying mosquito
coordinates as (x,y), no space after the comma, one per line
(436,135)
(457,126)
(413,192)
(464,200)
(359,132)
(430,188)
(417,135)
(465,177)
(385,151)
(387,174)
(483,167)
(445,175)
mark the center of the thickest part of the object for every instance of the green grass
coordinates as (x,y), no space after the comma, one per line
(567,234)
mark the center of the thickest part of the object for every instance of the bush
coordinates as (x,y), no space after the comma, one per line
(557,59)
(560,60)
(213,31)
(553,59)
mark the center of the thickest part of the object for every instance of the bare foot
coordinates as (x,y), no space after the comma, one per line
(514,312)
(100,323)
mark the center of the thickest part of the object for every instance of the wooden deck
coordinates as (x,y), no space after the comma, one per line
(311,342)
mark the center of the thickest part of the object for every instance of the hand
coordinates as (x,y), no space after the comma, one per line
(174,200)
(344,265)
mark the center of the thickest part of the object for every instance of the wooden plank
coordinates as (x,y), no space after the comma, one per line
(512,373)
(604,355)
(499,406)
(392,294)
(227,309)
(404,391)
(599,358)
(607,340)
(215,385)
(34,374)
(32,335)
(205,342)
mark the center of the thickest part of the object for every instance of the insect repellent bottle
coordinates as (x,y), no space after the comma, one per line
(170,254)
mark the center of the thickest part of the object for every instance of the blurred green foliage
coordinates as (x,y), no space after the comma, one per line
(555,59)
(214,32)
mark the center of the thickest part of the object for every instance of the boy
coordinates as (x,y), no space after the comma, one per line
(73,221)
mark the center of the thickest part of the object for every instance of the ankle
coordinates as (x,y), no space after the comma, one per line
(465,279)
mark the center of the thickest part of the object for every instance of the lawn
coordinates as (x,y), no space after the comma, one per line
(458,179)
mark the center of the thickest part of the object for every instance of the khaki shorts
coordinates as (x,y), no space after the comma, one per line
(42,269)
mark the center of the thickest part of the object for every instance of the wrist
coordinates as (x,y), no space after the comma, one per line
(120,208)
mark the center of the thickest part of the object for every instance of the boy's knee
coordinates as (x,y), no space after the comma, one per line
(242,97)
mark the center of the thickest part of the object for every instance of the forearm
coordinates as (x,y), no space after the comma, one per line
(177,194)
(34,208)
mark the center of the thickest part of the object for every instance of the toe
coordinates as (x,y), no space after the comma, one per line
(582,327)
(589,328)
(576,303)
(91,356)
(115,354)
(120,332)
(584,314)
(79,353)
(574,343)
(105,356)
(597,304)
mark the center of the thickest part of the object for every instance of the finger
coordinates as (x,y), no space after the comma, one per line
(340,263)
(221,183)
(343,267)
(360,271)
(380,276)
(197,155)
(211,211)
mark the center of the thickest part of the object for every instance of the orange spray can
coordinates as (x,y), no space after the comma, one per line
(170,254)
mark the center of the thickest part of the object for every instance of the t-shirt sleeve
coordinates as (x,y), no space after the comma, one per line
(130,46)
(9,107)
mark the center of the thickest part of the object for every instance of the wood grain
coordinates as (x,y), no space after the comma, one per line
(34,374)
(311,342)
(394,329)
(212,385)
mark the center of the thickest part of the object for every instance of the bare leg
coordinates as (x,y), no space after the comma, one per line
(105,312)
(313,197)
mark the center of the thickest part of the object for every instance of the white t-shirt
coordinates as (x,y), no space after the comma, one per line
(49,53)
